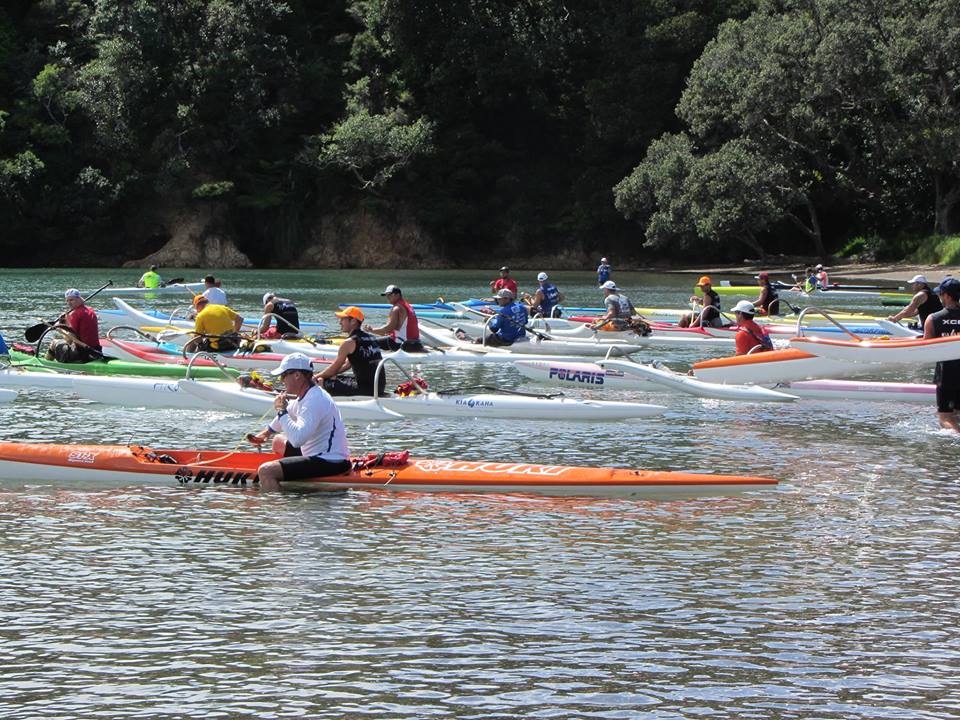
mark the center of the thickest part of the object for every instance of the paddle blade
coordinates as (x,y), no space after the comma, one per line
(175,281)
(35,332)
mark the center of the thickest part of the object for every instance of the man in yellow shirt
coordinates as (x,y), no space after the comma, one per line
(217,327)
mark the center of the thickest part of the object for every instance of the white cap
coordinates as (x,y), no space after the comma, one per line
(819,266)
(609,285)
(267,296)
(919,279)
(293,361)
(72,293)
(505,293)
(603,259)
(541,277)
(390,290)
(745,306)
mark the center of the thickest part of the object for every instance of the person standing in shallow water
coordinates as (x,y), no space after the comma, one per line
(603,271)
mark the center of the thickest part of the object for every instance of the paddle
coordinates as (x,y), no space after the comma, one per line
(35,332)
(175,281)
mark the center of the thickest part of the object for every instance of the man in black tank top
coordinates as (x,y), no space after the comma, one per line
(923,304)
(947,374)
(360,353)
(284,311)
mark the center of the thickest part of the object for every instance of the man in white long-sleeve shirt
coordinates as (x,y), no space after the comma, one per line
(310,433)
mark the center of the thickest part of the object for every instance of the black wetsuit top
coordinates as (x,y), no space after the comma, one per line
(947,322)
(929,306)
(291,318)
(364,360)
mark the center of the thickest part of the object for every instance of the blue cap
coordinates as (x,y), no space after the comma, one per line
(950,286)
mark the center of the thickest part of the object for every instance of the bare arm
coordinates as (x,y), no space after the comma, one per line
(265,321)
(910,310)
(394,320)
(340,362)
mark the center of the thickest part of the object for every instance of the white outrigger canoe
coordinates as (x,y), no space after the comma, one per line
(476,405)
(126,314)
(621,375)
(863,390)
(137,392)
(892,351)
(774,366)
(189,288)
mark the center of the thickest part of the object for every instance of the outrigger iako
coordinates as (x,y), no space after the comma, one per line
(125,464)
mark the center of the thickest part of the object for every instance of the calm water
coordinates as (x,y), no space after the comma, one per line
(835,596)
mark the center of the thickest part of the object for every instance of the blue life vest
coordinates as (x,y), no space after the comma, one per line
(4,350)
(509,322)
(603,273)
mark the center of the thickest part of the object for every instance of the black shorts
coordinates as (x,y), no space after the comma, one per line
(226,343)
(948,399)
(342,386)
(297,467)
(392,344)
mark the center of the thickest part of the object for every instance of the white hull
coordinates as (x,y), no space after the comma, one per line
(621,375)
(257,402)
(863,390)
(771,373)
(433,405)
(186,289)
(890,352)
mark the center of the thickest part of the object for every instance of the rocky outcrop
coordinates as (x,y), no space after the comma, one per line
(197,238)
(364,239)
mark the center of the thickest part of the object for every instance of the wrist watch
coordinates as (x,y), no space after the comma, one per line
(282,413)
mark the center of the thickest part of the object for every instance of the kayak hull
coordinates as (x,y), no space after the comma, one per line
(895,351)
(115,367)
(119,464)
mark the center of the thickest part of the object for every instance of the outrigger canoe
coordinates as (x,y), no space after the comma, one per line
(891,351)
(123,464)
(470,405)
(188,288)
(116,367)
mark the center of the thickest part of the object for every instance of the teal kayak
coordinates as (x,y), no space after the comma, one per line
(112,366)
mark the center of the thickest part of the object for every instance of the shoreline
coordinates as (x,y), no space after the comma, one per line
(891,272)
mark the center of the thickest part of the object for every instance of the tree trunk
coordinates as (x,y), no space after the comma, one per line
(750,240)
(946,220)
(812,230)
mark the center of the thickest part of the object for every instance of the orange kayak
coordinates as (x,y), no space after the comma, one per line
(127,464)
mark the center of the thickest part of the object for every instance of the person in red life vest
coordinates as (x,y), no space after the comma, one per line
(81,342)
(749,334)
(504,282)
(402,330)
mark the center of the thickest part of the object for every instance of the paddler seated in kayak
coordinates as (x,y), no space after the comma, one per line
(947,374)
(213,292)
(709,314)
(150,279)
(769,301)
(749,334)
(510,322)
(402,330)
(282,310)
(81,343)
(308,430)
(217,327)
(809,282)
(504,281)
(823,280)
(619,309)
(545,300)
(923,304)
(360,353)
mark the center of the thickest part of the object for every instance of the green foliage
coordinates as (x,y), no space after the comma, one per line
(937,250)
(18,173)
(213,190)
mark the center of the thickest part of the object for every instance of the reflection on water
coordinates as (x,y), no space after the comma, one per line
(833,597)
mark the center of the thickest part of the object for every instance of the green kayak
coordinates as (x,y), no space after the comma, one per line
(118,367)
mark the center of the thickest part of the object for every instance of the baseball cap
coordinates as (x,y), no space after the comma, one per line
(199,300)
(72,293)
(293,361)
(352,312)
(390,289)
(819,266)
(919,279)
(609,285)
(603,260)
(704,280)
(505,293)
(504,269)
(745,306)
(267,296)
(763,276)
(950,286)
(541,277)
